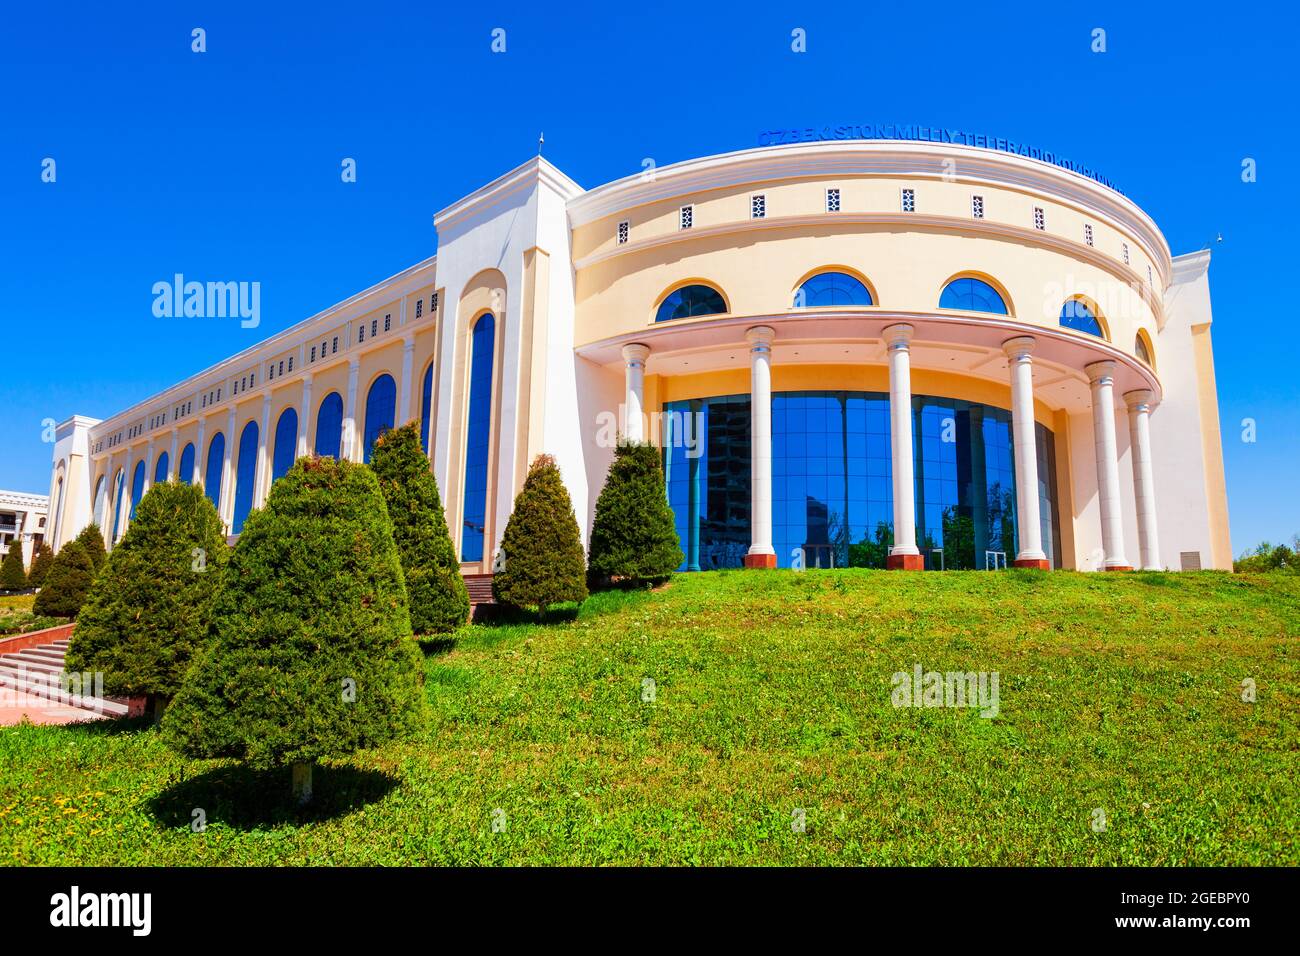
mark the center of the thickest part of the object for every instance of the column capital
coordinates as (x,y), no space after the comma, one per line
(760,337)
(408,340)
(1138,398)
(898,336)
(354,363)
(307,379)
(1022,346)
(1100,371)
(634,353)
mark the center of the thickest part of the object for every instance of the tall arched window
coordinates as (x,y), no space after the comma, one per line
(1143,349)
(212,472)
(381,409)
(245,476)
(691,300)
(137,486)
(426,407)
(1076,314)
(58,506)
(186,473)
(329,426)
(478,437)
(119,492)
(831,289)
(286,443)
(160,469)
(101,501)
(972,295)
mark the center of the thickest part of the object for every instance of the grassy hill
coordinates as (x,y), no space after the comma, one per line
(772,703)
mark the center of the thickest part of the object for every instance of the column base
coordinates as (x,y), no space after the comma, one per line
(1117,567)
(1041,564)
(905,562)
(760,561)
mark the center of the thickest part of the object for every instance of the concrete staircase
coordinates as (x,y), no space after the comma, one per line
(38,672)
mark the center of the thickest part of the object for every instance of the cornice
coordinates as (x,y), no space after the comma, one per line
(520,179)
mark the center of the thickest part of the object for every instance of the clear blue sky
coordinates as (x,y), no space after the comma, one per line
(225,165)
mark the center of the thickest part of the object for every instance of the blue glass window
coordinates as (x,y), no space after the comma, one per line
(426,407)
(691,300)
(119,492)
(160,469)
(137,487)
(212,473)
(245,476)
(186,474)
(830,289)
(286,443)
(101,495)
(381,410)
(1076,315)
(329,426)
(972,295)
(478,434)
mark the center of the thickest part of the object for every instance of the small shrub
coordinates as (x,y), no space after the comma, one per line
(634,535)
(544,561)
(67,584)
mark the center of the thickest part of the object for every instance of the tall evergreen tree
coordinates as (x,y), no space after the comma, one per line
(92,539)
(542,546)
(311,653)
(436,591)
(41,562)
(66,585)
(634,535)
(13,573)
(149,610)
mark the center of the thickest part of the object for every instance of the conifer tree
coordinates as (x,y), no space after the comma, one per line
(13,573)
(634,534)
(436,591)
(542,546)
(311,654)
(67,583)
(41,562)
(92,539)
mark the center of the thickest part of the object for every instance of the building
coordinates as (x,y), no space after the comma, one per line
(22,516)
(910,353)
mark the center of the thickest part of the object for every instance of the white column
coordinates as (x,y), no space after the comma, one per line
(404,386)
(228,473)
(1020,362)
(262,480)
(200,454)
(350,442)
(304,419)
(1139,429)
(148,469)
(635,356)
(173,466)
(1101,376)
(761,553)
(903,554)
(127,475)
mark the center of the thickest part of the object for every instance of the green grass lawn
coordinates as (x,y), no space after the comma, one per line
(1119,693)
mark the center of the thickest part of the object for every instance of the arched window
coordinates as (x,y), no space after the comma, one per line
(286,443)
(1142,349)
(329,426)
(831,289)
(186,473)
(972,295)
(101,500)
(691,300)
(137,486)
(119,492)
(58,506)
(245,476)
(478,436)
(160,469)
(212,473)
(381,409)
(426,407)
(1076,315)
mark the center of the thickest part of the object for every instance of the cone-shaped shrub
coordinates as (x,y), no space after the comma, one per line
(436,591)
(13,574)
(634,536)
(311,654)
(92,539)
(41,562)
(150,607)
(542,547)
(67,583)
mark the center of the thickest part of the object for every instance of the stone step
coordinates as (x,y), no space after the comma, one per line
(18,661)
(28,683)
(479,587)
(40,654)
